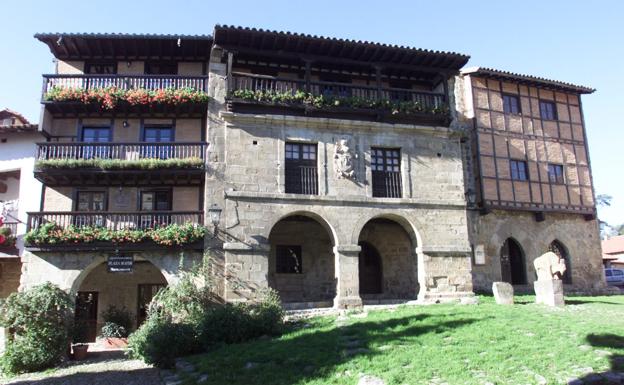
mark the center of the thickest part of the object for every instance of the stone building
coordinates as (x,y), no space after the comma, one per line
(334,171)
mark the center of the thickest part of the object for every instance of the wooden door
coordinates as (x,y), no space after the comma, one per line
(369,265)
(86,311)
(505,263)
(146,294)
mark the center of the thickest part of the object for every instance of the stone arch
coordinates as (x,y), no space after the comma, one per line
(74,280)
(317,217)
(407,225)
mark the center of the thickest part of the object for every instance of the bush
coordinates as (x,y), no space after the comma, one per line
(120,317)
(160,341)
(113,330)
(234,323)
(40,320)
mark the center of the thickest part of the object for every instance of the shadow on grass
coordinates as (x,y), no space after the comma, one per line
(314,354)
(576,301)
(616,360)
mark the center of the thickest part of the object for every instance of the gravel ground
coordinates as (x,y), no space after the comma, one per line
(102,368)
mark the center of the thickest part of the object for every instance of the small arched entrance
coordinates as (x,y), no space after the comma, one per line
(101,289)
(513,269)
(301,261)
(387,261)
(559,249)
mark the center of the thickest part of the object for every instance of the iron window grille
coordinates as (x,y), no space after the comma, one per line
(301,169)
(386,172)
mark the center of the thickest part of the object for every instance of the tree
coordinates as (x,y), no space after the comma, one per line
(606,230)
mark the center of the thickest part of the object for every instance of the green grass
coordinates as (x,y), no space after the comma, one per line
(520,344)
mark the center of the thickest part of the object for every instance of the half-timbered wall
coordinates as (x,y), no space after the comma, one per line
(502,137)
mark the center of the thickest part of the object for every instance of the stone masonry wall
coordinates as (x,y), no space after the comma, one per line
(578,236)
(10,271)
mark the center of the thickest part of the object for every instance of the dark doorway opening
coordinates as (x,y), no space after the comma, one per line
(146,294)
(370,269)
(86,311)
(512,263)
(559,249)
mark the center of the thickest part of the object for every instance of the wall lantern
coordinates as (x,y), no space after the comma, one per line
(471,197)
(215,216)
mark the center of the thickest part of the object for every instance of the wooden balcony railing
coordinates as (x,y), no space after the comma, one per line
(12,226)
(121,151)
(136,220)
(249,82)
(125,82)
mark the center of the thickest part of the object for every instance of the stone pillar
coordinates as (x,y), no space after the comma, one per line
(246,271)
(347,277)
(549,292)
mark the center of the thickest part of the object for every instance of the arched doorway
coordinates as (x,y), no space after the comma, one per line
(513,269)
(101,289)
(301,261)
(369,269)
(387,261)
(559,249)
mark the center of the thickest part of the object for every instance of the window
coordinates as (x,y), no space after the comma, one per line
(511,104)
(301,169)
(158,134)
(617,273)
(90,201)
(548,110)
(555,173)
(96,135)
(518,170)
(100,67)
(153,201)
(386,172)
(608,273)
(288,259)
(161,68)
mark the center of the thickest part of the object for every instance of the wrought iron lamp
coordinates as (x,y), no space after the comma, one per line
(215,216)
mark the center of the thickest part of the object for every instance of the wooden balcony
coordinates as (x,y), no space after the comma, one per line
(74,105)
(273,95)
(113,221)
(120,164)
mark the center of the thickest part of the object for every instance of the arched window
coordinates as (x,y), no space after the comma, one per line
(559,249)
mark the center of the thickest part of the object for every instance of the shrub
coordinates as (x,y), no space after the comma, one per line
(40,320)
(159,342)
(234,323)
(118,316)
(113,330)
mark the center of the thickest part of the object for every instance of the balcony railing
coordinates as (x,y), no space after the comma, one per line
(121,151)
(428,101)
(125,82)
(12,226)
(387,184)
(302,180)
(136,220)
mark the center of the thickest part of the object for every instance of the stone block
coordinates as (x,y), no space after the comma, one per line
(549,292)
(503,293)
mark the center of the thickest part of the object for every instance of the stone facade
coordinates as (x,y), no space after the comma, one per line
(10,270)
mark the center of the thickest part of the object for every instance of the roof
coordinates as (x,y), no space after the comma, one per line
(613,245)
(19,128)
(126,46)
(10,113)
(528,79)
(233,37)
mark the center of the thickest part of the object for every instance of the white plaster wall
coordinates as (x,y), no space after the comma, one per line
(18,153)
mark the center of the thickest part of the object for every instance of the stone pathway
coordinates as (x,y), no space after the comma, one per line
(101,368)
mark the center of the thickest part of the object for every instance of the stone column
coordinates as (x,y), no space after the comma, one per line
(347,277)
(246,271)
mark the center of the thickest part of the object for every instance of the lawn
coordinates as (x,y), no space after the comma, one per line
(455,344)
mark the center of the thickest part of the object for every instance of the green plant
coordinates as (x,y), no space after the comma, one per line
(169,235)
(160,341)
(327,102)
(40,320)
(117,316)
(113,330)
(120,164)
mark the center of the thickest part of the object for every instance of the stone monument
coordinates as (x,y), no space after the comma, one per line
(344,160)
(503,293)
(549,287)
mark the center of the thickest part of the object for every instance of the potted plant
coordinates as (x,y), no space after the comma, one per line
(117,324)
(115,336)
(79,345)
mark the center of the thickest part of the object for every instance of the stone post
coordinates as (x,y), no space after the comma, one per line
(549,292)
(347,277)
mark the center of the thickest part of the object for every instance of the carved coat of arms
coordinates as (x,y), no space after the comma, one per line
(344,160)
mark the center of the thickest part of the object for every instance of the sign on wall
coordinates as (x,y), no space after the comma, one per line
(120,263)
(479,255)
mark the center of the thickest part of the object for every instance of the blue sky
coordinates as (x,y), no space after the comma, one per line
(575,41)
